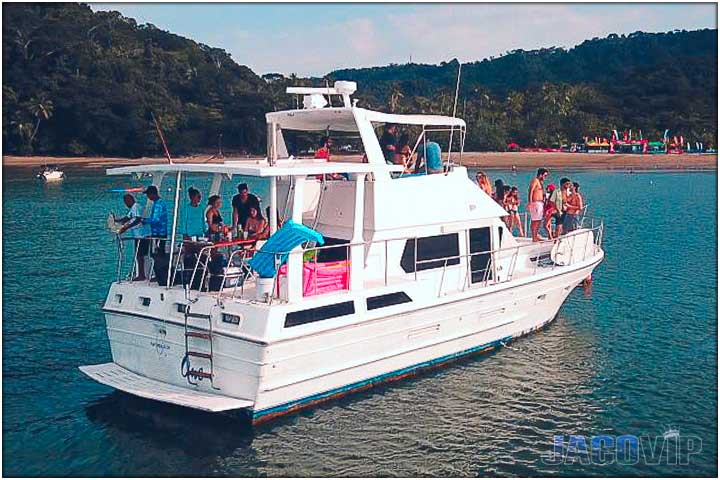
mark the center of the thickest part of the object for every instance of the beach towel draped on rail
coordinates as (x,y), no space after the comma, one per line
(279,245)
(323,277)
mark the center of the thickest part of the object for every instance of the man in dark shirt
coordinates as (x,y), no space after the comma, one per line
(388,143)
(241,204)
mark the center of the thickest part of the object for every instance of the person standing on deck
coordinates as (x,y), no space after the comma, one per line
(536,198)
(158,219)
(241,204)
(132,223)
(194,218)
(574,207)
(559,198)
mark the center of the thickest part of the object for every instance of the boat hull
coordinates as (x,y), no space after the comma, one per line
(286,376)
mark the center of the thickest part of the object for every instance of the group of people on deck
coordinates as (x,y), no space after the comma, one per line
(564,204)
(197,221)
(397,150)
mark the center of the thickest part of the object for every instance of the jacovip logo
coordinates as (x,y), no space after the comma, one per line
(670,448)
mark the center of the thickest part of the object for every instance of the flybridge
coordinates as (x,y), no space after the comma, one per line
(315,97)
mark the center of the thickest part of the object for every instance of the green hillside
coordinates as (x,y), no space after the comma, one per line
(78,82)
(645,81)
(82,82)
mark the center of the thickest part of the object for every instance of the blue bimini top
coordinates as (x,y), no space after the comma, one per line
(279,245)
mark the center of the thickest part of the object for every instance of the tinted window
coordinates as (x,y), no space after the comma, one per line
(387,300)
(317,314)
(333,254)
(430,248)
(480,251)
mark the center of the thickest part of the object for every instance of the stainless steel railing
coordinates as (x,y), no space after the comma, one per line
(501,266)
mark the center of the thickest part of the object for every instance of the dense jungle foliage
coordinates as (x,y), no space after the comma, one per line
(78,82)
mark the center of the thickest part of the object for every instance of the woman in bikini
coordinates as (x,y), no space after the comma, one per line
(256,226)
(513,206)
(214,219)
(483,182)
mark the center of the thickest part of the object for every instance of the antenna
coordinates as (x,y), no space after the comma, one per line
(457,89)
(162,138)
(452,127)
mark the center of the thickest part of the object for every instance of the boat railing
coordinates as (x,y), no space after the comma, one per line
(152,243)
(491,275)
(501,264)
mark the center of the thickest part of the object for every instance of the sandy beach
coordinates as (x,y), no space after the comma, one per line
(483,160)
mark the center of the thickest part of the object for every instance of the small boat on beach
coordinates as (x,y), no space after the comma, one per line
(50,173)
(370,273)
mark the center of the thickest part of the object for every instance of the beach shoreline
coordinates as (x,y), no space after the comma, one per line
(479,160)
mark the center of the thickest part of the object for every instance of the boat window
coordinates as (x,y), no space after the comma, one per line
(317,314)
(430,248)
(330,254)
(480,254)
(387,300)
(145,301)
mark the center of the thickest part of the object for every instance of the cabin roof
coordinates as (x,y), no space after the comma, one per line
(291,167)
(346,119)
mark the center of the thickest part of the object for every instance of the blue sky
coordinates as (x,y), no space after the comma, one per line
(314,39)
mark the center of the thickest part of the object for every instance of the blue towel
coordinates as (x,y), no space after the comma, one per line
(283,241)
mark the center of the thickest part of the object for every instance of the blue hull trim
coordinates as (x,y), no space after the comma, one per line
(259,416)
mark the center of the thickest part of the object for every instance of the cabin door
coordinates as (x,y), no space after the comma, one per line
(480,245)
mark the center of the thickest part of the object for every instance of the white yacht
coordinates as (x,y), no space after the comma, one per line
(363,280)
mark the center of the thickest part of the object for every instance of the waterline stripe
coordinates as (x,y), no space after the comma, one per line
(378,379)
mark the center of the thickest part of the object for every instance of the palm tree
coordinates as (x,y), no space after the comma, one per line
(42,109)
(395,96)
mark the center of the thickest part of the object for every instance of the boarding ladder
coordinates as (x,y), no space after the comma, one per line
(201,335)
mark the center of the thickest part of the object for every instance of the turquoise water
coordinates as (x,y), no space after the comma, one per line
(635,355)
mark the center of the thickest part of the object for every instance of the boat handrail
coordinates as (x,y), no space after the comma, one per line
(596,227)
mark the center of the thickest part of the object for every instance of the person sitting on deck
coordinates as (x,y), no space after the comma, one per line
(431,155)
(158,219)
(324,153)
(241,204)
(256,226)
(132,223)
(405,156)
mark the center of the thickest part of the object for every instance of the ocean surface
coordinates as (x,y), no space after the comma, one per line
(634,355)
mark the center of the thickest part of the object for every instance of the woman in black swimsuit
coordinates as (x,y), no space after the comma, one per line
(213,218)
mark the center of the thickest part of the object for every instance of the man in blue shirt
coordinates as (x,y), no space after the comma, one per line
(194,218)
(158,218)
